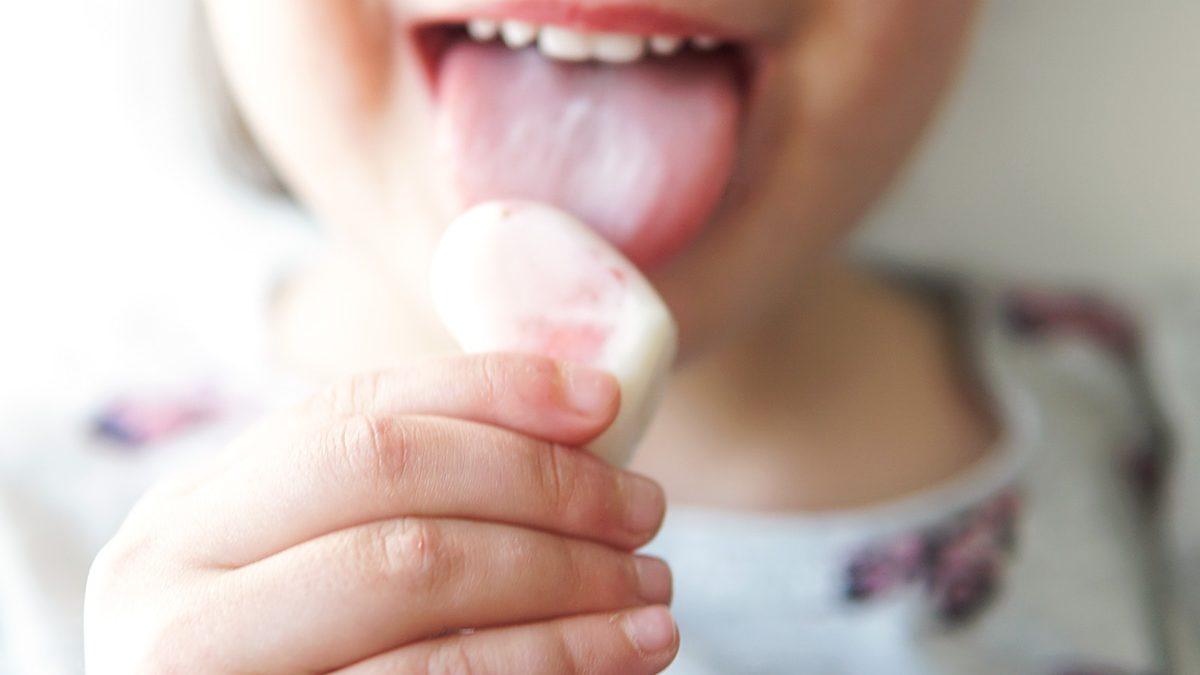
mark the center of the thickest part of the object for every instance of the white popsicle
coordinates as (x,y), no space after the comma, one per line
(525,277)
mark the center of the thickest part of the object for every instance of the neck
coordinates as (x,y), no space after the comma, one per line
(849,394)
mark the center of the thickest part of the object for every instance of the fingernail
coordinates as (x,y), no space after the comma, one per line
(652,630)
(646,505)
(654,580)
(588,390)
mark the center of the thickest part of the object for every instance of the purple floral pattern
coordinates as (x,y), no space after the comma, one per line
(960,563)
(1036,313)
(138,421)
(1145,463)
(1097,670)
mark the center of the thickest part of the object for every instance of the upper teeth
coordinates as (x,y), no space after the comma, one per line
(565,44)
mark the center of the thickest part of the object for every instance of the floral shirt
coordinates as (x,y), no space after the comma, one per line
(1067,551)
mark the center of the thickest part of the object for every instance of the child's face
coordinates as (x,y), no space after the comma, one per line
(726,175)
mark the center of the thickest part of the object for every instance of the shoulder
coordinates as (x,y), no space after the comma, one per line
(1121,365)
(1152,333)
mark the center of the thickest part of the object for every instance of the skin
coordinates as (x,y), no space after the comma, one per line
(437,494)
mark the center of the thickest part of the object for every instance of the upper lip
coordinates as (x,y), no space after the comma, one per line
(675,17)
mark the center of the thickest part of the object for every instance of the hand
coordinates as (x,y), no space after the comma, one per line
(437,518)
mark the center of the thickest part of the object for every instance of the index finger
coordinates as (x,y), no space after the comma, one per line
(301,479)
(531,395)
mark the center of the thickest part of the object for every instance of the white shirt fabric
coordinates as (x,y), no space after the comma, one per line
(1042,559)
(1099,579)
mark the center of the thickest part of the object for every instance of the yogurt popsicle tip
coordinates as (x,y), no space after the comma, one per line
(525,277)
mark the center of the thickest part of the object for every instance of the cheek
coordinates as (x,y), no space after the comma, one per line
(848,100)
(312,79)
(871,72)
(864,78)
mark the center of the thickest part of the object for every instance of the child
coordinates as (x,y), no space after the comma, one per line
(868,472)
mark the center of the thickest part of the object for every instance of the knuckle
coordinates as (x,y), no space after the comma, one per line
(493,377)
(575,570)
(414,553)
(126,557)
(136,619)
(543,389)
(116,556)
(523,375)
(556,478)
(560,649)
(373,447)
(352,395)
(602,511)
(544,369)
(581,492)
(452,658)
(520,388)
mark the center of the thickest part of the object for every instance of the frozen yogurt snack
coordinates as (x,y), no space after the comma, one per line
(524,277)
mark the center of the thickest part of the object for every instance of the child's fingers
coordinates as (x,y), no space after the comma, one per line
(351,471)
(527,394)
(531,395)
(363,591)
(638,642)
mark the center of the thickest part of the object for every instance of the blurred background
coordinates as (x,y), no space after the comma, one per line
(1070,152)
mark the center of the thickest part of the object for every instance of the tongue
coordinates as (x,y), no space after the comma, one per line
(641,152)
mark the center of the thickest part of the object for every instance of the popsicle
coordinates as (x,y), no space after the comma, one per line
(525,277)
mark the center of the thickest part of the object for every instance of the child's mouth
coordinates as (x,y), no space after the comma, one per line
(635,133)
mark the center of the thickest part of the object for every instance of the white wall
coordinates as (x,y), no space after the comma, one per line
(1072,149)
(119,235)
